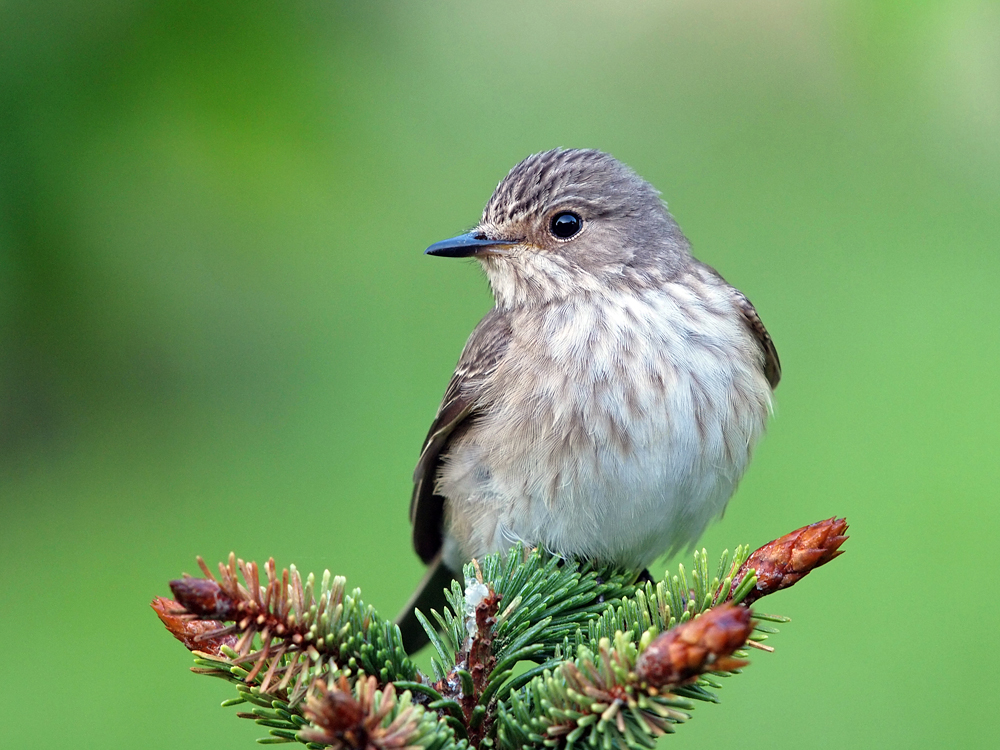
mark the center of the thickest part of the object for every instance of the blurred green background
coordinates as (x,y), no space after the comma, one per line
(217,329)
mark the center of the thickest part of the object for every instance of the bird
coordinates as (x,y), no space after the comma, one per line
(608,404)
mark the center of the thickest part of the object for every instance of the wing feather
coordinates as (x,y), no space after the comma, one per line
(460,405)
(772,365)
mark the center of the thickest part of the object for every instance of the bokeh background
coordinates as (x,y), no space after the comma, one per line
(217,329)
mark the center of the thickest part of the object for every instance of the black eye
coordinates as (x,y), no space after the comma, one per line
(565,224)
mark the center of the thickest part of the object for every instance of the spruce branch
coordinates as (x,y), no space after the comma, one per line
(544,600)
(611,662)
(289,632)
(469,681)
(612,699)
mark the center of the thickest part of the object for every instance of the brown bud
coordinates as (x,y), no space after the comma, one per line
(358,722)
(781,563)
(337,716)
(192,633)
(204,598)
(700,645)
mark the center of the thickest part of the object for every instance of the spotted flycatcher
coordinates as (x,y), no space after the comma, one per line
(607,406)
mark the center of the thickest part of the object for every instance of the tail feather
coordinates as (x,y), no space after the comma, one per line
(429,595)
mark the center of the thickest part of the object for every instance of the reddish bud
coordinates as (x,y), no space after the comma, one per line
(194,634)
(700,645)
(781,563)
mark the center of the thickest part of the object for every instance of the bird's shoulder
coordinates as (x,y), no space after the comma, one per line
(487,345)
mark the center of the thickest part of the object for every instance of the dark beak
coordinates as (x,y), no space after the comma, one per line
(464,246)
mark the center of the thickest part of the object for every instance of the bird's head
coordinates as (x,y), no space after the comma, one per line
(570,221)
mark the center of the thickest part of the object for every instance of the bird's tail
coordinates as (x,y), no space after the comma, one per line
(429,595)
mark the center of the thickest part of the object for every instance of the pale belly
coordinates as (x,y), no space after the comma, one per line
(618,447)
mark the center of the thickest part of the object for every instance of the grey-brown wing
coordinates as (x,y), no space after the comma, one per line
(772,365)
(482,352)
